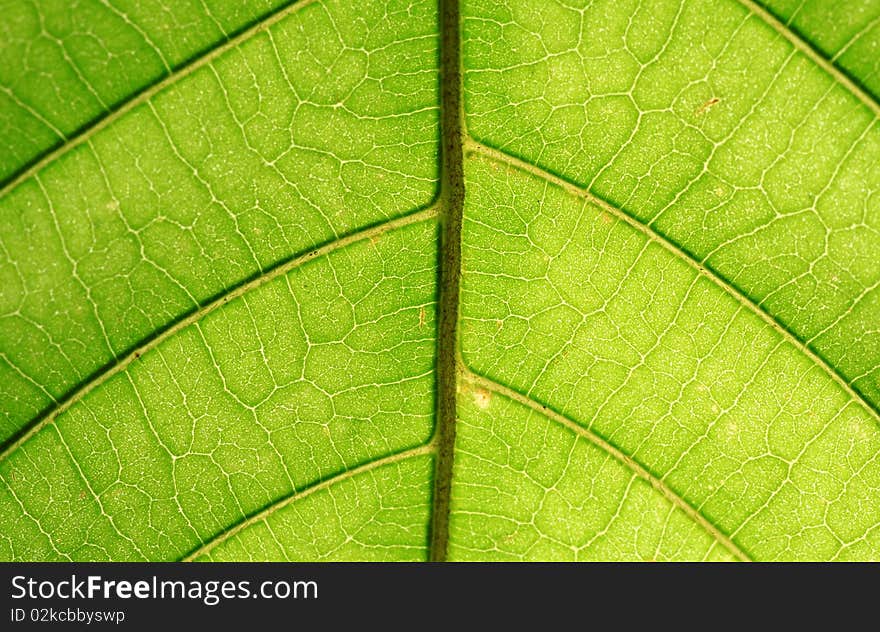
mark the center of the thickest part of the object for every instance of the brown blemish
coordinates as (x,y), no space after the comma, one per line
(482,398)
(708,105)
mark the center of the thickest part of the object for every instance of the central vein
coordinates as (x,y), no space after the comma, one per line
(451,203)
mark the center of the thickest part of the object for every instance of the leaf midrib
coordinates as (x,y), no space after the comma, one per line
(452,192)
(448,207)
(442,481)
(92,127)
(432,447)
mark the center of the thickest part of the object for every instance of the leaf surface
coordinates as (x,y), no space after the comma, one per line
(268,292)
(90,60)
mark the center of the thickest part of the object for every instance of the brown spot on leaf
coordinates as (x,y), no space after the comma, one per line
(708,105)
(482,398)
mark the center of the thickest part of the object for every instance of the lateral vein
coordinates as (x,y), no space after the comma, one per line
(296,495)
(637,468)
(743,299)
(77,394)
(817,57)
(145,94)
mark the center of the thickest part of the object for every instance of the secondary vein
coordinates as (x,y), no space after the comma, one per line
(839,75)
(747,302)
(145,94)
(637,468)
(296,495)
(120,364)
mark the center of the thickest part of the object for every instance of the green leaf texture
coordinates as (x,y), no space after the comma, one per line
(400,280)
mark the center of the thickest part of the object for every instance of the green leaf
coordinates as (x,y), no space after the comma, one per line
(397,280)
(90,60)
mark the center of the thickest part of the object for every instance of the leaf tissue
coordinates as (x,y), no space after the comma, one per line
(412,280)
